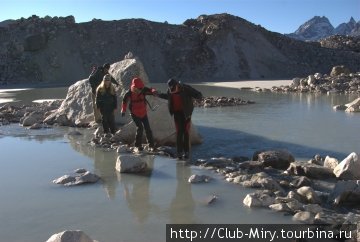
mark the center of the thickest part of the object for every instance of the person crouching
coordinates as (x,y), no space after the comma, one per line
(137,106)
(106,103)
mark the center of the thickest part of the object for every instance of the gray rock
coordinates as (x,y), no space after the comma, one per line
(313,208)
(338,70)
(354,106)
(300,182)
(195,178)
(80,170)
(345,193)
(278,159)
(295,206)
(70,236)
(36,126)
(310,170)
(64,179)
(123,149)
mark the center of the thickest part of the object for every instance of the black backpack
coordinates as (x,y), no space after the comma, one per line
(95,78)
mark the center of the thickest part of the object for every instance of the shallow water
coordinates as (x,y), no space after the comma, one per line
(124,207)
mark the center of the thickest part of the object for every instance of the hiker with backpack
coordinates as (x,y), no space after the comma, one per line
(180,103)
(106,104)
(136,99)
(95,79)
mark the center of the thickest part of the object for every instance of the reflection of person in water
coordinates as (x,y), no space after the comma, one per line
(137,192)
(104,164)
(182,206)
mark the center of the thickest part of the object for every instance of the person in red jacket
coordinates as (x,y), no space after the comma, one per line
(180,103)
(135,97)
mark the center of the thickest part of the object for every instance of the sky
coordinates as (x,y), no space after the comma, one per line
(282,16)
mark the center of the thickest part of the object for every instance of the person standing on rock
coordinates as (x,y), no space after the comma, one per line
(95,79)
(135,97)
(106,103)
(180,101)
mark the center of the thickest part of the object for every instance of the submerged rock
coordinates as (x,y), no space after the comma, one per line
(70,236)
(78,179)
(195,178)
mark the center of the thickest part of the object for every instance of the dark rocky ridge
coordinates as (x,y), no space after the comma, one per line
(210,48)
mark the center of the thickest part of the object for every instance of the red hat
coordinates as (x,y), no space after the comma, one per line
(137,83)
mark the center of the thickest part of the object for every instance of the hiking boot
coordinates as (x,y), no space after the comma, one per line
(138,149)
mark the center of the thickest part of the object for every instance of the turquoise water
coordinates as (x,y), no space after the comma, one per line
(125,207)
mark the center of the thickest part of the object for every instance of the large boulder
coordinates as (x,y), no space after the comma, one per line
(77,108)
(349,168)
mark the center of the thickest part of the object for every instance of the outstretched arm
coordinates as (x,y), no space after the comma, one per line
(114,81)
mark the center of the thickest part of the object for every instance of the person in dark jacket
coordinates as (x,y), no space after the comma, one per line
(106,103)
(95,79)
(135,97)
(180,101)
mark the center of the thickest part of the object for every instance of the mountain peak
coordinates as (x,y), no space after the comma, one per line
(320,27)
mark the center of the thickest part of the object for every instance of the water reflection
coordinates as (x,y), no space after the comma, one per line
(136,191)
(182,206)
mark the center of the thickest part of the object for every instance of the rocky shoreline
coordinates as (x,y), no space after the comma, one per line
(340,80)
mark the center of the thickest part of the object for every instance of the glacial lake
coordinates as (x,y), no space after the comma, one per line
(134,208)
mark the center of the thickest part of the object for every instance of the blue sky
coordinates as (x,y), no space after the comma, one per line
(283,16)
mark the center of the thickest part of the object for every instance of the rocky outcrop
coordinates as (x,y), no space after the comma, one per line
(341,42)
(208,48)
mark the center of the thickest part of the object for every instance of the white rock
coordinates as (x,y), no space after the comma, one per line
(258,200)
(280,207)
(330,162)
(305,217)
(349,168)
(131,163)
(354,106)
(308,194)
(70,236)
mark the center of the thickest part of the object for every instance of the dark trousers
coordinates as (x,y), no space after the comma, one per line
(141,124)
(108,122)
(182,132)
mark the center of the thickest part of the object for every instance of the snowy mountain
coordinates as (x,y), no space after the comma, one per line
(320,27)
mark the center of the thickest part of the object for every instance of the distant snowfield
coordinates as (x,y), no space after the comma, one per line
(251,84)
(6,100)
(14,90)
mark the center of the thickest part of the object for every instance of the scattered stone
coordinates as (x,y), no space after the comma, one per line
(308,194)
(280,207)
(195,178)
(278,159)
(258,199)
(304,217)
(80,170)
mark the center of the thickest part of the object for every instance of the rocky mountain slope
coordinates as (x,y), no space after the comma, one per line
(210,48)
(320,27)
